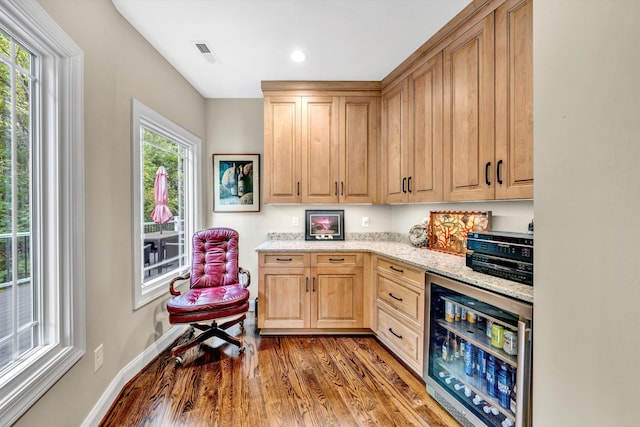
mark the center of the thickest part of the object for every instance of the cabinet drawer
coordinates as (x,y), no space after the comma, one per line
(414,275)
(280,259)
(336,259)
(407,300)
(404,340)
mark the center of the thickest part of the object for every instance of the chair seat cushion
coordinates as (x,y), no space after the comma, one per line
(208,303)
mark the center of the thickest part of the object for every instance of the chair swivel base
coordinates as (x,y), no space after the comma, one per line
(214,330)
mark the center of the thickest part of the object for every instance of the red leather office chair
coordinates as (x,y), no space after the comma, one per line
(215,291)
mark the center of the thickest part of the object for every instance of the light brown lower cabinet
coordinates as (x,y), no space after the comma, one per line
(333,293)
(310,292)
(399,320)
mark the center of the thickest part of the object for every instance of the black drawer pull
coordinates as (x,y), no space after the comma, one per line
(336,259)
(394,334)
(307,285)
(399,270)
(284,259)
(394,297)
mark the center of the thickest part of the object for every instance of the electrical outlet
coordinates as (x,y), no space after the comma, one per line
(294,221)
(98,357)
(365,221)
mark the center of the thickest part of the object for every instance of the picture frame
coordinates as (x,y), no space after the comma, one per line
(236,182)
(324,225)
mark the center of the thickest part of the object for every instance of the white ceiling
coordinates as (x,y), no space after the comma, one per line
(252,39)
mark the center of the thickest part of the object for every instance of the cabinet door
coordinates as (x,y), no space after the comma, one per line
(358,144)
(282,149)
(514,100)
(283,298)
(424,183)
(394,151)
(337,298)
(469,113)
(320,150)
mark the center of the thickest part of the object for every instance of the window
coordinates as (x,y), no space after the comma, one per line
(165,201)
(42,319)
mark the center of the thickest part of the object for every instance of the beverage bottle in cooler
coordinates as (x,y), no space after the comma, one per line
(469,362)
(504,386)
(492,384)
(446,348)
(481,363)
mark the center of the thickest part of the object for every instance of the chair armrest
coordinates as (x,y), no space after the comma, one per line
(247,277)
(184,277)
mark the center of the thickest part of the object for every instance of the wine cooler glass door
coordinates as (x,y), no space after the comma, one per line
(478,359)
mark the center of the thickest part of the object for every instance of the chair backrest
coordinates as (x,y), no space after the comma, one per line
(214,258)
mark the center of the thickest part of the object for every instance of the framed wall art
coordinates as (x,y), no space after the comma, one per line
(236,182)
(324,225)
(448,229)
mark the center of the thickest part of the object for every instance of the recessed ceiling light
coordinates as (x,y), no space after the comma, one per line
(298,56)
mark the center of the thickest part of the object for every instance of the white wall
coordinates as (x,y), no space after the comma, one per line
(587,195)
(118,65)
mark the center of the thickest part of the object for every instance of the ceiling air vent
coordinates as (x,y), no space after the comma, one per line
(206,52)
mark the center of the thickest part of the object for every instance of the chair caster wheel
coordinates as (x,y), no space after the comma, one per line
(241,350)
(179,360)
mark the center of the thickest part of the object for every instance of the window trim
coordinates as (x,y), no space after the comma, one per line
(145,116)
(59,187)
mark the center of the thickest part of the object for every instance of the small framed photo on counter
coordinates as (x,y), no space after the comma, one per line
(324,225)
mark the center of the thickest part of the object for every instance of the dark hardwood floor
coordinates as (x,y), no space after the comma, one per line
(278,381)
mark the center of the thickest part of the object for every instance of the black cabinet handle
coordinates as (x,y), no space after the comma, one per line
(307,285)
(399,336)
(313,284)
(336,187)
(404,180)
(394,297)
(409,184)
(498,169)
(486,173)
(298,188)
(336,259)
(399,270)
(342,188)
(284,259)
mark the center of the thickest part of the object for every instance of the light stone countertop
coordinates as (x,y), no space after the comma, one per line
(451,266)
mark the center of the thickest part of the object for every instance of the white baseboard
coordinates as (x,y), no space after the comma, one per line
(130,371)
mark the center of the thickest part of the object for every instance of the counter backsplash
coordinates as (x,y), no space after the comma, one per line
(358,236)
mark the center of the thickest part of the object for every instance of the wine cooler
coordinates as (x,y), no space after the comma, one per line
(478,354)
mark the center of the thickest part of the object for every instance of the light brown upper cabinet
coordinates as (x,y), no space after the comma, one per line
(514,100)
(469,119)
(488,87)
(412,136)
(282,150)
(320,147)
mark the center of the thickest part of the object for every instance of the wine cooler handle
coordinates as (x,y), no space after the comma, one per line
(523,337)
